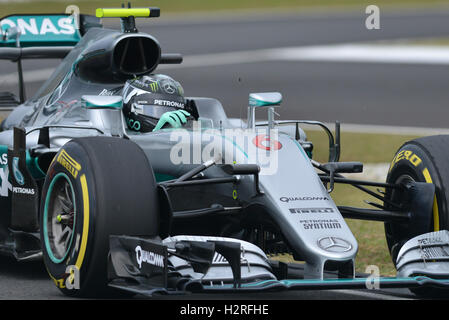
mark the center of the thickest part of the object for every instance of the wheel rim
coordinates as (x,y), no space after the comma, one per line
(59,217)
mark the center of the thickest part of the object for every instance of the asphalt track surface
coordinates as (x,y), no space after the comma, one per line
(30,281)
(398,95)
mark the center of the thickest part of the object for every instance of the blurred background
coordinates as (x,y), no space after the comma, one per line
(385,85)
(324,60)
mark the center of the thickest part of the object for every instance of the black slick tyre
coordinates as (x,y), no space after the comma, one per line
(422,160)
(95,187)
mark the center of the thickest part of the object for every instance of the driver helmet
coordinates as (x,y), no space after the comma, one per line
(147,98)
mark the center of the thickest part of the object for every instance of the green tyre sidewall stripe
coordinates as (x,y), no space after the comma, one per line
(115,193)
(45,218)
(56,268)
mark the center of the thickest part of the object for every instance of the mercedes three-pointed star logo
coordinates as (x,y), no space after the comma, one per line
(168,87)
(334,244)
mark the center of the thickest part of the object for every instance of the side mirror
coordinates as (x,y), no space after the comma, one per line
(101,102)
(263,99)
(106,112)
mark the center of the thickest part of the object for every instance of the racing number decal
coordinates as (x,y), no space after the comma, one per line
(263,141)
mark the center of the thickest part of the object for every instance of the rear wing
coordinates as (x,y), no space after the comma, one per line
(41,36)
(48,36)
(46,30)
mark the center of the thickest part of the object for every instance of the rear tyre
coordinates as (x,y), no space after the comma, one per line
(95,187)
(422,160)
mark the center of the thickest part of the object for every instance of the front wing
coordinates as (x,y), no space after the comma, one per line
(145,266)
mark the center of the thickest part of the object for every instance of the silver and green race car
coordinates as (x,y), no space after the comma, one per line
(198,208)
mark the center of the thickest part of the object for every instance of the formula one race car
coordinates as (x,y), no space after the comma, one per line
(196,207)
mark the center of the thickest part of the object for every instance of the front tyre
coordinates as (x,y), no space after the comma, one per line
(95,187)
(422,160)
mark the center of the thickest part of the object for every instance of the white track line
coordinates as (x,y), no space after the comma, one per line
(359,53)
(369,53)
(383,129)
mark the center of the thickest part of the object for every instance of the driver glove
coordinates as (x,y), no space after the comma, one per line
(175,118)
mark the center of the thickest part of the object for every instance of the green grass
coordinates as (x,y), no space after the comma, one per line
(430,41)
(367,148)
(370,235)
(180,6)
